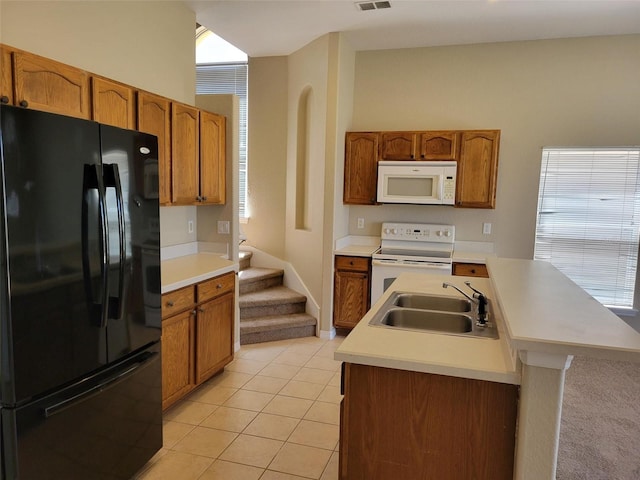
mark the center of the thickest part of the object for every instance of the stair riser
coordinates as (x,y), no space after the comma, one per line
(245,263)
(273,335)
(248,287)
(279,309)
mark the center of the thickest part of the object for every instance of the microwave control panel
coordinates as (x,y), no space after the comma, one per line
(448,189)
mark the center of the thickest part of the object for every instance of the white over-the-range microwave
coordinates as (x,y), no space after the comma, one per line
(417,182)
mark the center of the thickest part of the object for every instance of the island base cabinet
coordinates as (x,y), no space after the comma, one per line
(402,424)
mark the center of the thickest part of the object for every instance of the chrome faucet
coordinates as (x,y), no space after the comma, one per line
(478,298)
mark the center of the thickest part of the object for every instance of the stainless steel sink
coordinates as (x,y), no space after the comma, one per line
(431,302)
(427,320)
(431,313)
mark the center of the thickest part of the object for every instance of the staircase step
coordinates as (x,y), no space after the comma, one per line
(253,279)
(276,327)
(271,301)
(244,258)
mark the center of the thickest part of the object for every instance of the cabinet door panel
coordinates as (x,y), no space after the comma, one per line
(478,169)
(212,158)
(398,146)
(184,154)
(214,336)
(177,354)
(154,117)
(361,168)
(113,103)
(351,298)
(50,86)
(439,145)
(6,78)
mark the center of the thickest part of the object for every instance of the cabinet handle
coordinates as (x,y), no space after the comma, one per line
(198,198)
(204,199)
(422,156)
(473,270)
(219,286)
(170,303)
(412,157)
(351,262)
(4,99)
(24,103)
(200,309)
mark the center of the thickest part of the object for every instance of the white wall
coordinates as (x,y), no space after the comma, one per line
(149,45)
(308,68)
(569,92)
(267,154)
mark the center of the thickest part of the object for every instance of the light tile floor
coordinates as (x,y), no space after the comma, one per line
(273,414)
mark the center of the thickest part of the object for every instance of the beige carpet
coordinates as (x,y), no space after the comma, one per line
(600,429)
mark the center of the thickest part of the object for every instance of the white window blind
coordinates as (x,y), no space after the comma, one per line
(230,78)
(589,217)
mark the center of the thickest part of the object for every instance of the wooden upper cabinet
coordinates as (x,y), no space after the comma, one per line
(398,146)
(113,103)
(478,169)
(361,168)
(439,145)
(47,85)
(185,170)
(6,80)
(212,158)
(154,117)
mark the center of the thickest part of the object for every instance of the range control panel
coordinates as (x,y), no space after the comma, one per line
(418,232)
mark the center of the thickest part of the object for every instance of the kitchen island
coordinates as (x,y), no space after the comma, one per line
(543,320)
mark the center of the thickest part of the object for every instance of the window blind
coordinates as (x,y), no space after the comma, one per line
(588,219)
(230,78)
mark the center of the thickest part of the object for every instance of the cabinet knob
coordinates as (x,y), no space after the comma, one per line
(473,270)
(219,286)
(200,309)
(351,262)
(24,103)
(170,303)
(4,99)
(198,198)
(204,199)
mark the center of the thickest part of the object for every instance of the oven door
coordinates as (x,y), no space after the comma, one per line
(384,272)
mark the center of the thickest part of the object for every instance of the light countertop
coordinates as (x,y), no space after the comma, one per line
(459,356)
(546,312)
(183,271)
(357,246)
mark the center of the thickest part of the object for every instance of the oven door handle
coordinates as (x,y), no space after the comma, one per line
(423,265)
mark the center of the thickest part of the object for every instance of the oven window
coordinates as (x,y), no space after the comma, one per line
(410,186)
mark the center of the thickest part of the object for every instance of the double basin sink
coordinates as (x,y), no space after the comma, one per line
(431,313)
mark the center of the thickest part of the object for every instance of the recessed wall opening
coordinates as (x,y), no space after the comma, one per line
(303,145)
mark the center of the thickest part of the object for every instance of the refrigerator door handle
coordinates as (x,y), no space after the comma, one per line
(117,377)
(112,179)
(93,181)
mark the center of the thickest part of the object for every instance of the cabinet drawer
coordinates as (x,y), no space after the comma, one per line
(177,301)
(470,269)
(358,264)
(216,286)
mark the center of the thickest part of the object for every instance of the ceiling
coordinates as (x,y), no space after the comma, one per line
(267,28)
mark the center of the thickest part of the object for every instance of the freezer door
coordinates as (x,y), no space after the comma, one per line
(130,166)
(104,428)
(52,275)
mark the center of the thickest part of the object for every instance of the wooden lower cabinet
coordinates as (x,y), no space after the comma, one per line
(412,425)
(177,347)
(352,290)
(197,335)
(214,345)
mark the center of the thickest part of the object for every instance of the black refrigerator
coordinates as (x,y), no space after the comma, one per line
(80,319)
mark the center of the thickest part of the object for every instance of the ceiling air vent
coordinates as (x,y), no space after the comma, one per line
(364,6)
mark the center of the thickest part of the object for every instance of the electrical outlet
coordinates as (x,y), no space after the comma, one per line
(223,227)
(360,222)
(486,229)
(190,226)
